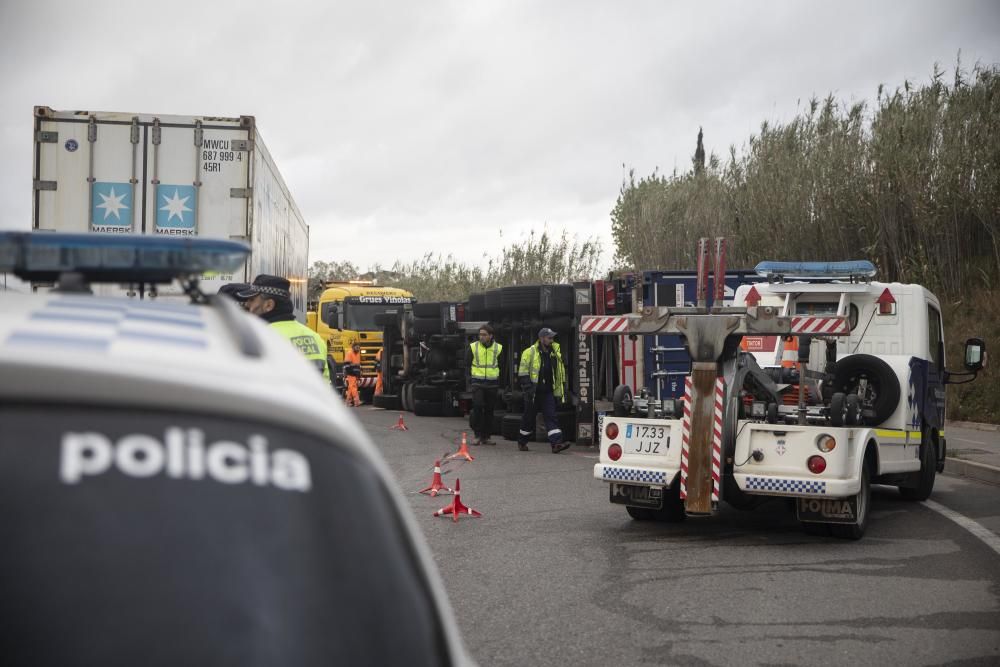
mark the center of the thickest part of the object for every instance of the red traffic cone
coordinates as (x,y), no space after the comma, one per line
(437,486)
(456,506)
(400,425)
(462,453)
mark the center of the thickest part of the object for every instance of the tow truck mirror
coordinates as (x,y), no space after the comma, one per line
(335,319)
(975,354)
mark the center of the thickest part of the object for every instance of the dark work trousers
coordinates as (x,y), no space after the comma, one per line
(484,399)
(546,402)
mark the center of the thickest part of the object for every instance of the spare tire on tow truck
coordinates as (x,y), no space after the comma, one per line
(875,383)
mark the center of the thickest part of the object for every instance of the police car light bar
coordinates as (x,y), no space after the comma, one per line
(127,258)
(854,269)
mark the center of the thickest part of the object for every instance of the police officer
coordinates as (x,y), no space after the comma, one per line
(270,298)
(232,290)
(542,377)
(484,378)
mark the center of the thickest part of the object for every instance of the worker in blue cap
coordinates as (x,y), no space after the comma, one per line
(542,376)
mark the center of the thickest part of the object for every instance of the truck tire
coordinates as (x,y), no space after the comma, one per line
(431,309)
(510,426)
(641,513)
(838,409)
(427,408)
(516,401)
(556,300)
(519,298)
(426,392)
(562,325)
(673,507)
(852,407)
(386,401)
(477,304)
(567,424)
(883,385)
(923,481)
(855,531)
(437,360)
(427,325)
(407,395)
(622,400)
(497,422)
(492,299)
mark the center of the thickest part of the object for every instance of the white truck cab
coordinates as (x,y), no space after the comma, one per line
(853,395)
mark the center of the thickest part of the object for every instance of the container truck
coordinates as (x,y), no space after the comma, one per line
(136,173)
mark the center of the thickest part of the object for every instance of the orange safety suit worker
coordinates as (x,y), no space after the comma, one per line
(378,372)
(352,356)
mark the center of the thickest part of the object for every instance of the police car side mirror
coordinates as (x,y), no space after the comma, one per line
(975,355)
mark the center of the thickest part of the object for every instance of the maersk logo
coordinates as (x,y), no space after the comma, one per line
(183,454)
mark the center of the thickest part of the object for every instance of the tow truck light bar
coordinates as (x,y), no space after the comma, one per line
(827,270)
(128,258)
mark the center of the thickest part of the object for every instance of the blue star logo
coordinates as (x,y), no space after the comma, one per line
(112,209)
(175,207)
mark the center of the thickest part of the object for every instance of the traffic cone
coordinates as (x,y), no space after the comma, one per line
(400,425)
(456,506)
(437,486)
(462,453)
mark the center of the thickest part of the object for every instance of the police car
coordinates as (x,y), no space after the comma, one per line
(179,486)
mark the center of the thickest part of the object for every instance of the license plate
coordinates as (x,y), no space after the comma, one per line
(827,510)
(642,439)
(636,496)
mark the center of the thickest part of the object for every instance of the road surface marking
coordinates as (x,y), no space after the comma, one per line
(977,529)
(974,442)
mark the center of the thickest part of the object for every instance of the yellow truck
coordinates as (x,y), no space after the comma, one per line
(346,312)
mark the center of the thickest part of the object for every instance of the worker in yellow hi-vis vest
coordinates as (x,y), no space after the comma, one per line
(483,360)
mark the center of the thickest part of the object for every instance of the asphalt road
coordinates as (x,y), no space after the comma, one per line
(553,574)
(973,445)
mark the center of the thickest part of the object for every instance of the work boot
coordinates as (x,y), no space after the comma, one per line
(523,446)
(560,447)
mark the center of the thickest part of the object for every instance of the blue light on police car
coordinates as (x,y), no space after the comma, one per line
(862,268)
(34,252)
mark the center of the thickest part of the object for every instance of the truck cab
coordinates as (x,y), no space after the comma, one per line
(347,312)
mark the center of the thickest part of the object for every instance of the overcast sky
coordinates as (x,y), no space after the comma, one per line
(407,127)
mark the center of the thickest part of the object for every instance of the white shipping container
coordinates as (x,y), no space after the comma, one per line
(125,173)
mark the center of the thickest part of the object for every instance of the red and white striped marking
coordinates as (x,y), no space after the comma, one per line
(717,439)
(685,436)
(820,325)
(366,381)
(592,324)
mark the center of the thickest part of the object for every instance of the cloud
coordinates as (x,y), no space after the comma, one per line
(406,128)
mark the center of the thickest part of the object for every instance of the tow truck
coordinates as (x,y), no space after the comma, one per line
(813,384)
